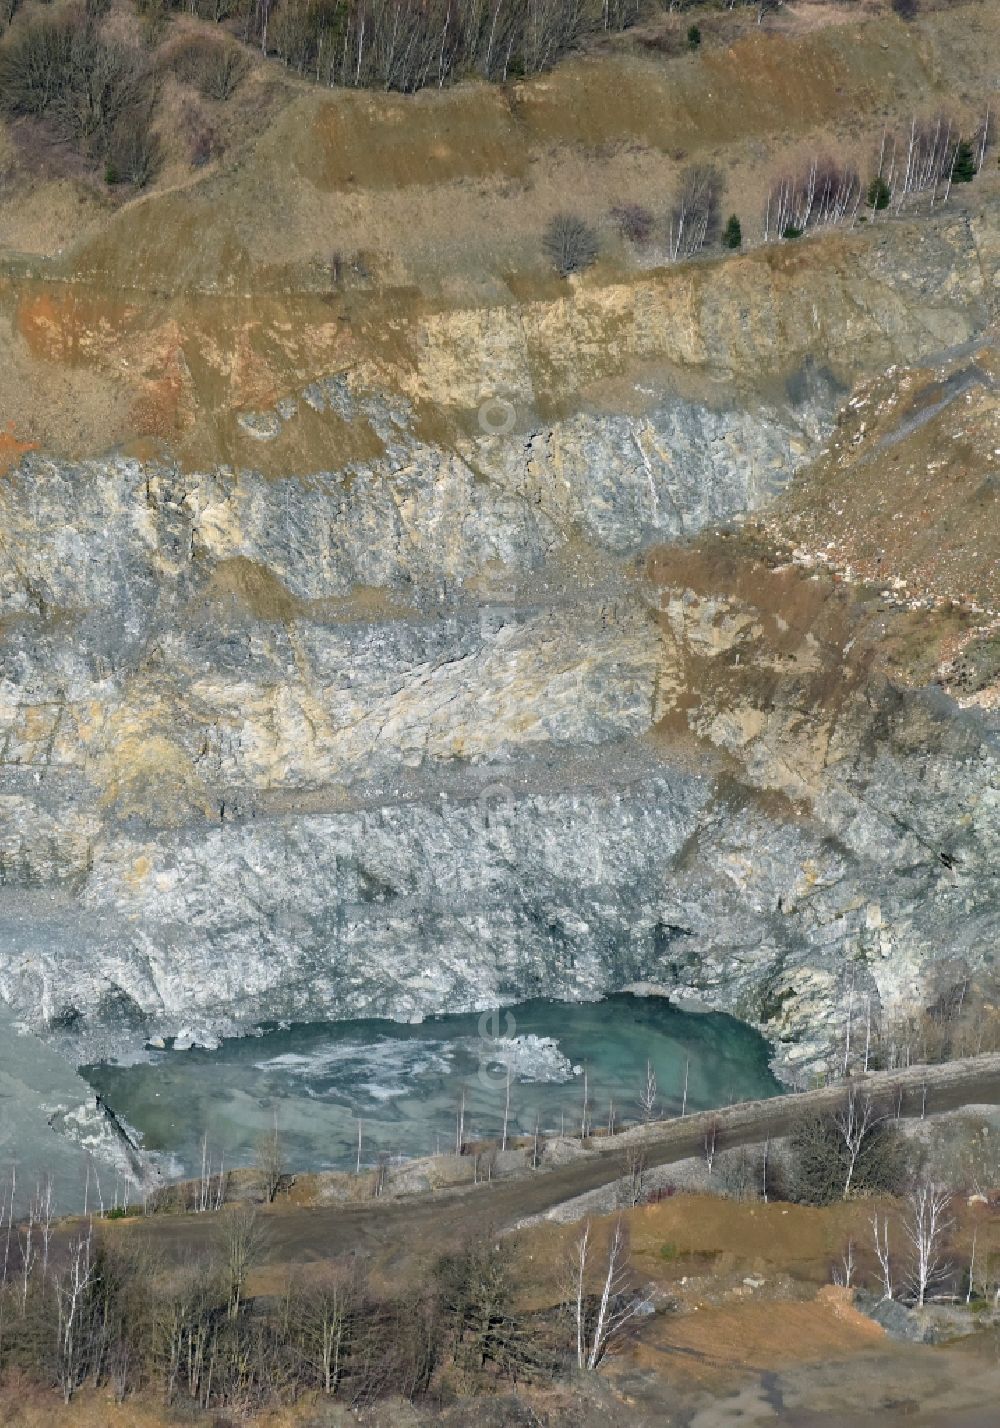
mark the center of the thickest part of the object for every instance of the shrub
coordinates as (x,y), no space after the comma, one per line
(818,1161)
(906,9)
(964,168)
(634,222)
(693,37)
(790,231)
(135,151)
(879,193)
(104,88)
(97,94)
(569,243)
(34,65)
(214,67)
(203,146)
(745,1173)
(732,236)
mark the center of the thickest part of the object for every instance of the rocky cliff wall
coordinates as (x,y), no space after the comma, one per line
(418,723)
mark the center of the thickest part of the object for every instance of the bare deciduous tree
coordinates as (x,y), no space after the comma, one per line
(920,160)
(635,223)
(209,1190)
(323,1310)
(10,1223)
(984,1276)
(982,140)
(764,1157)
(633,1188)
(880,1230)
(460,1124)
(476,1301)
(601,1320)
(694,217)
(184,1326)
(648,1100)
(855,1121)
(569,243)
(213,67)
(242,1240)
(28,1244)
(72,1289)
(585,1112)
(826,192)
(711,1142)
(506,1112)
(43,1214)
(741,1173)
(537,1145)
(844,1273)
(926,1225)
(852,1150)
(403,45)
(270,1164)
(380,1175)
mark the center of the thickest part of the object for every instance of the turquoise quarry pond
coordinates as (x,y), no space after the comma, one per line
(405,1081)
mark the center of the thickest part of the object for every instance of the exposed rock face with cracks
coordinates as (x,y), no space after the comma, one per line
(501,656)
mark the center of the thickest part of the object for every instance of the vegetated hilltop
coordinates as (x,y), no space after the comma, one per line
(355,219)
(335,677)
(196,90)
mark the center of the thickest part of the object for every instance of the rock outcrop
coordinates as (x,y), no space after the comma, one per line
(388,625)
(428,727)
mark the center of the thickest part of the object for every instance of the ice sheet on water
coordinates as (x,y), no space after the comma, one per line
(385,1068)
(529,1058)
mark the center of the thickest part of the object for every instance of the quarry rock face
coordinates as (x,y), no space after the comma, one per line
(448,716)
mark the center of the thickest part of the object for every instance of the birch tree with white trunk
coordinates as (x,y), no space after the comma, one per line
(855,1122)
(599,1327)
(880,1230)
(926,1227)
